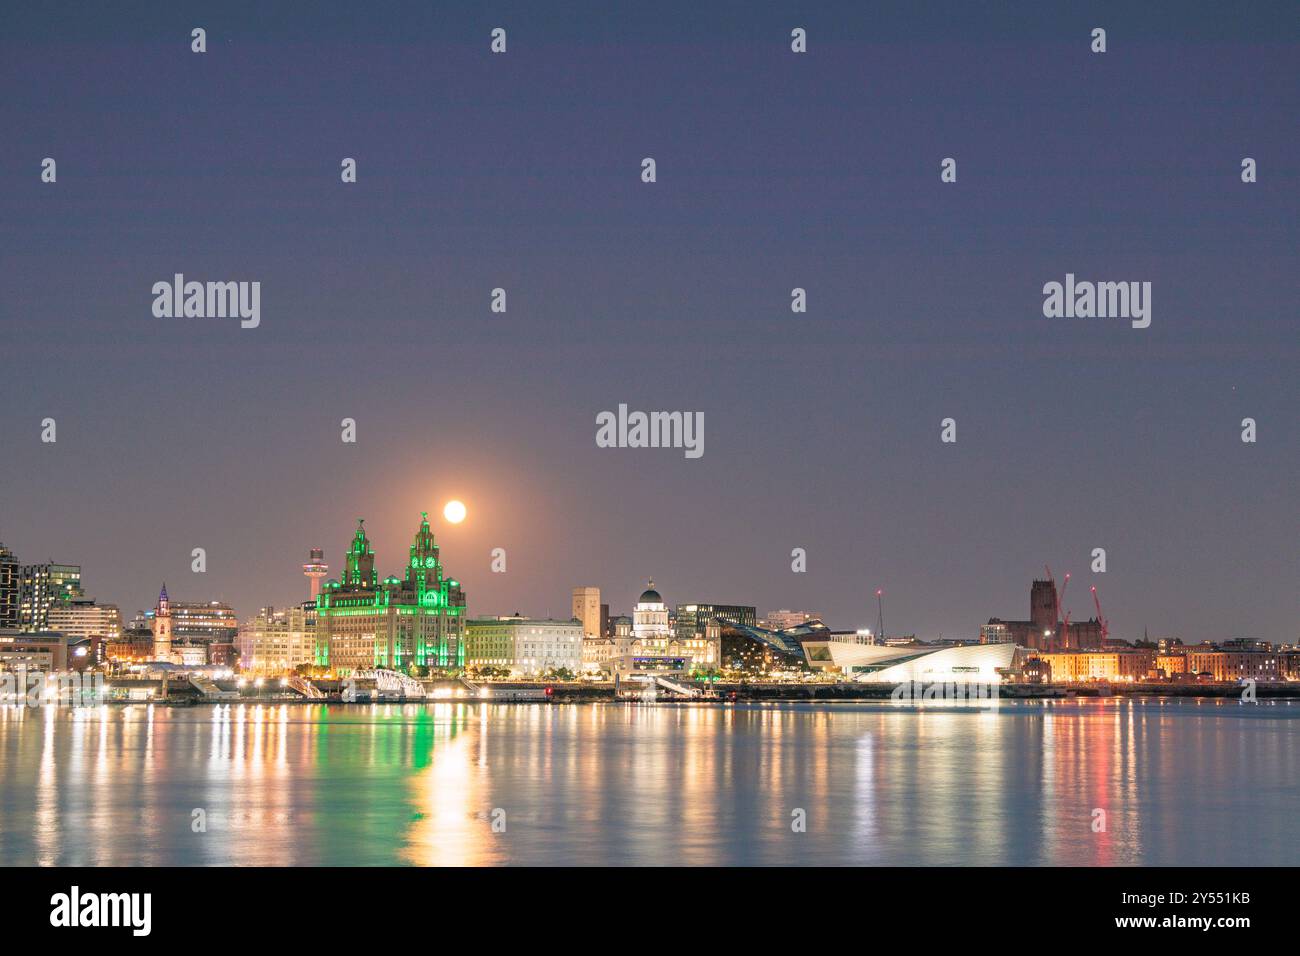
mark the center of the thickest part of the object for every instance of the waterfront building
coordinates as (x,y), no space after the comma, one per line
(649,640)
(597,652)
(1235,665)
(653,634)
(21,650)
(1127,665)
(586,608)
(10,589)
(1035,670)
(42,587)
(417,620)
(1171,665)
(927,664)
(625,655)
(1290,665)
(525,646)
(278,640)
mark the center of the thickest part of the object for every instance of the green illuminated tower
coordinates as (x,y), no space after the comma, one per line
(360,568)
(414,621)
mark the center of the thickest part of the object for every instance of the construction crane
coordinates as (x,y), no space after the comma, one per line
(1065,617)
(1105,627)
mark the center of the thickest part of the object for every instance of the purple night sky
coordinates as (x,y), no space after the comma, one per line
(775,170)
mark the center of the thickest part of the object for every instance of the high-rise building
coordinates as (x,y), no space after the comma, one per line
(10,589)
(315,569)
(417,620)
(586,608)
(42,587)
(162,627)
(691,619)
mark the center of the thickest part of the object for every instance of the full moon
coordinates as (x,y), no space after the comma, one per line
(454,512)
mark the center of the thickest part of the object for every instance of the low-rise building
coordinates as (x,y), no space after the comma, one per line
(24,651)
(995,632)
(1171,665)
(527,647)
(278,640)
(82,618)
(1221,665)
(1133,664)
(625,654)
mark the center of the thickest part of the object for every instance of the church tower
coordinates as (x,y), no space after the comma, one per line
(162,627)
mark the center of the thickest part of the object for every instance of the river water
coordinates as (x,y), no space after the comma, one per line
(1101,781)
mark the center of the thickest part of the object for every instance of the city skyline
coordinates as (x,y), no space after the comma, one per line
(775,171)
(700,434)
(318,579)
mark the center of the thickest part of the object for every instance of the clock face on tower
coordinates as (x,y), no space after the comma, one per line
(428,562)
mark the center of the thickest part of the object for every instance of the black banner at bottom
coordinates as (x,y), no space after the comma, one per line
(340,906)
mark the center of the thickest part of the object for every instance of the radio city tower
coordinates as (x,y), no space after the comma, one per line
(315,569)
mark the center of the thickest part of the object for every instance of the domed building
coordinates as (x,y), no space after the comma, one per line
(650,646)
(650,616)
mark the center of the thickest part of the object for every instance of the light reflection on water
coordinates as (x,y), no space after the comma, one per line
(1179,782)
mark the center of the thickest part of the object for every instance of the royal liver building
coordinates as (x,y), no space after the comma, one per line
(398,623)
